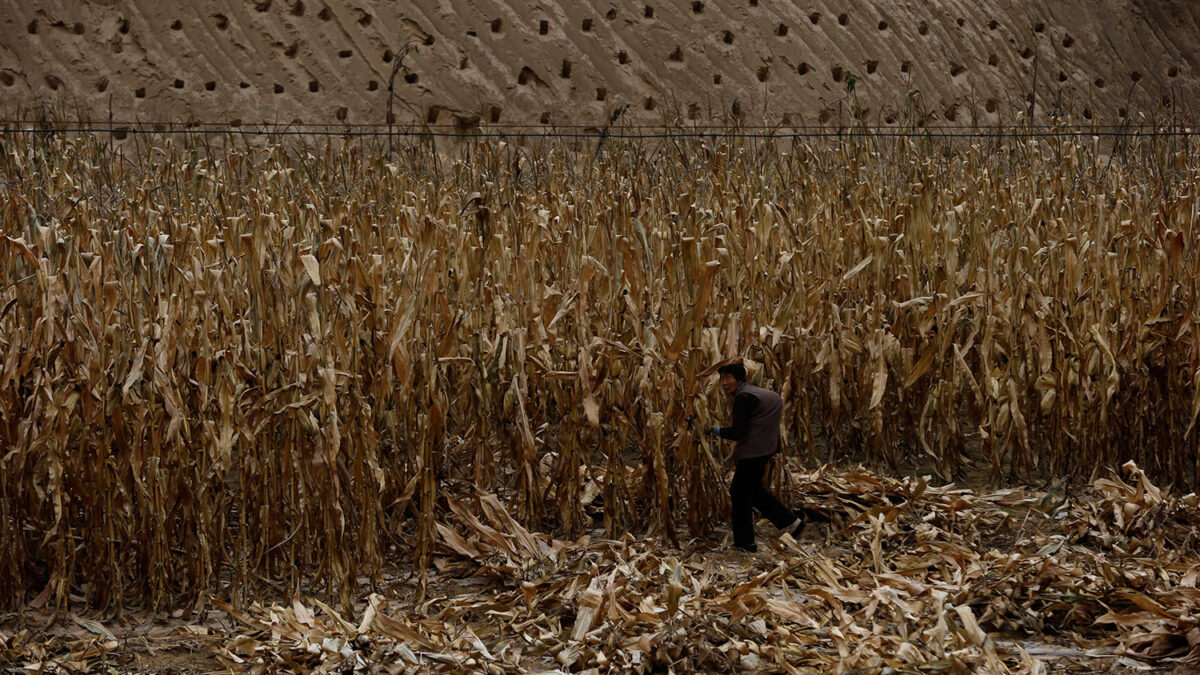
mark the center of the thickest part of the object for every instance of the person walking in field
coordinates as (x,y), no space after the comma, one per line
(755,431)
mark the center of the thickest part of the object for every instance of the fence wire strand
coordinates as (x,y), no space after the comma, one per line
(520,132)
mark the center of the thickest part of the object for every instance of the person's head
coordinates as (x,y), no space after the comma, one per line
(732,376)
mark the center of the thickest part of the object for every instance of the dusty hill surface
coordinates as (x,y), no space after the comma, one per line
(525,62)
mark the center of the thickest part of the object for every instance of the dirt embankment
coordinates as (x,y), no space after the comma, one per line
(547,63)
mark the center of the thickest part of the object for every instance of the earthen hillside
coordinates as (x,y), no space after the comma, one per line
(490,62)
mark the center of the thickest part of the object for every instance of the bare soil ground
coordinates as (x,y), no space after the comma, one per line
(468,63)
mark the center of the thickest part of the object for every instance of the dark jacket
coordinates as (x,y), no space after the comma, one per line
(755,428)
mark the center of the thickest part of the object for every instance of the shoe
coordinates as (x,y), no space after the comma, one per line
(794,529)
(752,548)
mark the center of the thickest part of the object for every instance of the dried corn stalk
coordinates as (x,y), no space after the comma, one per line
(279,362)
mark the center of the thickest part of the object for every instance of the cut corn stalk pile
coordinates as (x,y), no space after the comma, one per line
(906,576)
(227,371)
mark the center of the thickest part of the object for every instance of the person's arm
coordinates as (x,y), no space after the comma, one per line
(744,406)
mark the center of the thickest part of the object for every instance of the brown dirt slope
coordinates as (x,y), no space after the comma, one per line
(541,62)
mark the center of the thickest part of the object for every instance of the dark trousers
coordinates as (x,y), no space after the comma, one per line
(746,493)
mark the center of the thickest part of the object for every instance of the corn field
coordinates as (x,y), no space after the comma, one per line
(220,366)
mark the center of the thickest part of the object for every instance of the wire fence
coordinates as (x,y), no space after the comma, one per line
(515,131)
(516,125)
